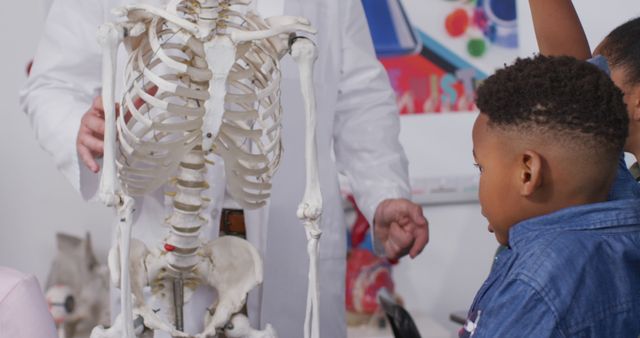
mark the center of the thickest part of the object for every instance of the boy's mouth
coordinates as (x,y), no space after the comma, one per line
(490,228)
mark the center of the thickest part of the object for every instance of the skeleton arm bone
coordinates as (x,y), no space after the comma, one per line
(141,11)
(305,53)
(125,217)
(109,37)
(279,25)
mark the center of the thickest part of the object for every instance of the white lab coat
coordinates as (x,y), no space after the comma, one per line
(357,135)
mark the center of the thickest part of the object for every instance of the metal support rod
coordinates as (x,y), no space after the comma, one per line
(178,301)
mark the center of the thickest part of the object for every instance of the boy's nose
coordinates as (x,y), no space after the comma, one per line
(489,227)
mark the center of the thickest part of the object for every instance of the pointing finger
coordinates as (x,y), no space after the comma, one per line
(87,158)
(92,143)
(94,123)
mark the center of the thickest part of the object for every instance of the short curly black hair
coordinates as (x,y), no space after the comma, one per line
(622,49)
(572,98)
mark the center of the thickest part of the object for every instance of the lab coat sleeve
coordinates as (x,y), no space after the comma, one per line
(65,78)
(367,125)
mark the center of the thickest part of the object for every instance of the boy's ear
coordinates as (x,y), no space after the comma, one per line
(530,172)
(635,103)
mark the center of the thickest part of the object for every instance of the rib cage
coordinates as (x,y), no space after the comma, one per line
(166,81)
(166,87)
(251,123)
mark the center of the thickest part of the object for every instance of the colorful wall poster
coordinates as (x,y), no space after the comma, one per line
(436,52)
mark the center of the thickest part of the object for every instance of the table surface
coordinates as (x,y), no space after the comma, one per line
(428,328)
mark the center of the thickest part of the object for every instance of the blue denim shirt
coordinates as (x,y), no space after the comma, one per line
(571,273)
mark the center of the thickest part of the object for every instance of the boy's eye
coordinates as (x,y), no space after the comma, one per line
(478,166)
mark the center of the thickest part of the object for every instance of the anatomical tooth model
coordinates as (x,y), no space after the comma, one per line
(202,78)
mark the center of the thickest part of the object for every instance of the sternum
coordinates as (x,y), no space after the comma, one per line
(220,54)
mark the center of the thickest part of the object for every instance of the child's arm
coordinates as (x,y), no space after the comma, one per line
(558,29)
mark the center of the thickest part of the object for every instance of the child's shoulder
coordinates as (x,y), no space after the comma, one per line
(580,261)
(576,238)
(557,251)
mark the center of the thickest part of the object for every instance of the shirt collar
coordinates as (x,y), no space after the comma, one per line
(635,171)
(617,213)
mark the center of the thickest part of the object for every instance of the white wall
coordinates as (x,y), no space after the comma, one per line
(36,201)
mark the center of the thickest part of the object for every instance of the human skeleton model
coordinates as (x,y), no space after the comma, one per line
(202,78)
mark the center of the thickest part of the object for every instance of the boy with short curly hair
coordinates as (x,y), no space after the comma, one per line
(547,144)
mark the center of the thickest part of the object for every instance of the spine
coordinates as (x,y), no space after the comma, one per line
(185,223)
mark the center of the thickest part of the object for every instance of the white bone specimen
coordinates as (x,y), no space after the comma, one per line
(116,329)
(77,288)
(203,77)
(238,327)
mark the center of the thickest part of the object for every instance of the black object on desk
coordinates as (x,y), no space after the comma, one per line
(402,324)
(459,317)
